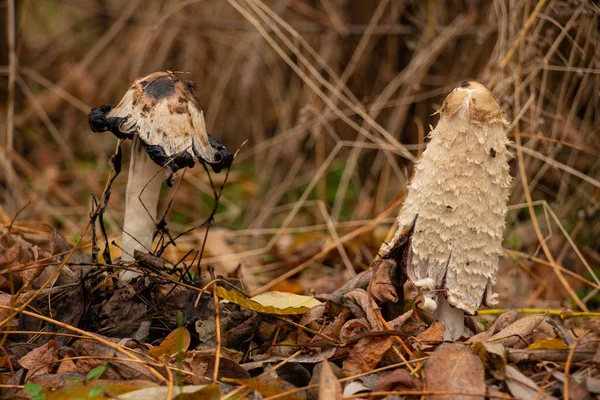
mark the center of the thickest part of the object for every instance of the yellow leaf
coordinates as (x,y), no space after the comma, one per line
(110,389)
(271,302)
(548,344)
(270,387)
(176,341)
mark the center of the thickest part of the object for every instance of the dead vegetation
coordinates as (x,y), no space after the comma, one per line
(335,99)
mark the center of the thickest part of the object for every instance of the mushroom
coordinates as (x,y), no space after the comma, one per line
(455,208)
(164,119)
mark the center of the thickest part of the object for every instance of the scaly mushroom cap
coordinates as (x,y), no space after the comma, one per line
(459,198)
(163,111)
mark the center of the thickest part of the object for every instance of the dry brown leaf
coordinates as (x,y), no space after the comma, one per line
(361,298)
(67,366)
(454,368)
(399,379)
(267,386)
(381,286)
(10,255)
(329,386)
(175,342)
(517,331)
(493,356)
(500,323)
(366,354)
(353,327)
(40,360)
(519,385)
(397,322)
(430,337)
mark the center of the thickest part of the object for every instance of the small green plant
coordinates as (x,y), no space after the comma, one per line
(95,373)
(35,390)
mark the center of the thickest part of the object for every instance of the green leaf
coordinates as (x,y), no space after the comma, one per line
(97,372)
(40,396)
(32,388)
(95,392)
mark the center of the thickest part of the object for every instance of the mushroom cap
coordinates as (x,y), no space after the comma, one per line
(166,115)
(479,101)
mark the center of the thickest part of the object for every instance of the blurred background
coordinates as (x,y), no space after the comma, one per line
(335,99)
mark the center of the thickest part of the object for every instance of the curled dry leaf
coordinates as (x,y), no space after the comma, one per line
(494,358)
(500,323)
(397,322)
(381,285)
(175,342)
(367,305)
(521,386)
(430,337)
(271,302)
(268,386)
(399,379)
(40,360)
(454,368)
(353,327)
(517,331)
(329,386)
(366,354)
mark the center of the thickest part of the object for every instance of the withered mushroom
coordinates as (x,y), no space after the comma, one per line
(164,119)
(457,202)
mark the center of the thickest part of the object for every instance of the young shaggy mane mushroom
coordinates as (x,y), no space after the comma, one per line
(164,119)
(457,201)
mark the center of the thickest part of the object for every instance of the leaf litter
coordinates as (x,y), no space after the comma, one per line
(274,344)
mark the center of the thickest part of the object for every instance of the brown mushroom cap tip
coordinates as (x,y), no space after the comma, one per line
(482,107)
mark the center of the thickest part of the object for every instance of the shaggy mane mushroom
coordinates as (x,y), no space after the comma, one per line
(164,119)
(457,202)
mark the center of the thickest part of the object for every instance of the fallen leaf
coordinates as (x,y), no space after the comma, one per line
(175,342)
(10,255)
(271,302)
(74,389)
(493,356)
(517,331)
(267,387)
(40,360)
(399,379)
(366,354)
(500,323)
(191,392)
(329,386)
(353,327)
(519,385)
(381,286)
(430,337)
(355,387)
(454,368)
(397,322)
(548,344)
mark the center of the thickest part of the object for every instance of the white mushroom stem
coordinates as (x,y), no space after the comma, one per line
(143,189)
(453,318)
